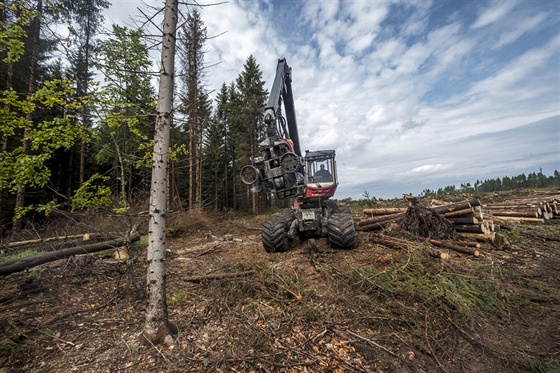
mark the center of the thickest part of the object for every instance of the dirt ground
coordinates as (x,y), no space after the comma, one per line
(240,309)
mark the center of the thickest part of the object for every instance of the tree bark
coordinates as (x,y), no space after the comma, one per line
(84,236)
(22,264)
(454,247)
(457,206)
(380,219)
(157,328)
(471,228)
(384,211)
(32,87)
(464,220)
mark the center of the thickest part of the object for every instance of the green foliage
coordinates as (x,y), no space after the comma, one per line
(29,169)
(92,195)
(533,180)
(19,255)
(176,298)
(125,104)
(464,296)
(46,208)
(12,32)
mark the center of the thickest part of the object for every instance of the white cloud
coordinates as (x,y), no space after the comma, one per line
(429,169)
(410,94)
(520,28)
(496,11)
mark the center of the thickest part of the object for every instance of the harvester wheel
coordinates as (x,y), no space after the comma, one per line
(341,232)
(275,234)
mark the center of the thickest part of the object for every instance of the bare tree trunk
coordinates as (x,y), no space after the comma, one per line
(199,171)
(20,194)
(85,112)
(191,165)
(157,328)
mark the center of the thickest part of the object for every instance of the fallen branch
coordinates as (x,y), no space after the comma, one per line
(373,343)
(218,276)
(18,265)
(84,236)
(399,244)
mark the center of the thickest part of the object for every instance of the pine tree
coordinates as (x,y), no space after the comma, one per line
(252,99)
(195,103)
(86,19)
(216,156)
(157,328)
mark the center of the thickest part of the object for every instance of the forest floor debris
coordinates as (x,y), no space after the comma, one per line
(376,308)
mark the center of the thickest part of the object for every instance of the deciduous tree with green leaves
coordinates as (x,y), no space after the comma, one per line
(125,105)
(29,168)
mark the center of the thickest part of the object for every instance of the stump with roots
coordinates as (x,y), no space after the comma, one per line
(425,222)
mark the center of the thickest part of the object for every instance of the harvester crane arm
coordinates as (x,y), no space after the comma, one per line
(282,91)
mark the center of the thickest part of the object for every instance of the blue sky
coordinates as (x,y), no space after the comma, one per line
(410,94)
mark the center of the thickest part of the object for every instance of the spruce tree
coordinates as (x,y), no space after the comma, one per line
(251,129)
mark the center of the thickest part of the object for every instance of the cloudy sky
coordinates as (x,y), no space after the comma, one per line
(410,94)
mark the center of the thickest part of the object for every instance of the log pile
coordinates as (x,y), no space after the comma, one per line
(536,209)
(473,220)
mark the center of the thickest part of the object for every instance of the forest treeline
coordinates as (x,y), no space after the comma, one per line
(78,110)
(78,107)
(532,180)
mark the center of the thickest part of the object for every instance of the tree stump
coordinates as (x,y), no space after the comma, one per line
(425,222)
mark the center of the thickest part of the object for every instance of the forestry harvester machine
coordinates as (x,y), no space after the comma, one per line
(311,180)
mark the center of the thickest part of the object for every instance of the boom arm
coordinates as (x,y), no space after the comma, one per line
(282,90)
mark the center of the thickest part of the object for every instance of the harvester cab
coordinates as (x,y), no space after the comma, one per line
(320,176)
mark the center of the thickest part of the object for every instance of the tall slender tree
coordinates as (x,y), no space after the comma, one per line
(31,88)
(87,17)
(157,328)
(195,103)
(216,156)
(251,102)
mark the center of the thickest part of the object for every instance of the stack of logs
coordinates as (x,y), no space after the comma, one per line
(527,210)
(471,219)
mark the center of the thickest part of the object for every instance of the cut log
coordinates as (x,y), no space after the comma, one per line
(434,253)
(457,206)
(84,237)
(475,212)
(521,214)
(463,220)
(22,264)
(488,237)
(455,247)
(478,228)
(393,243)
(520,219)
(476,245)
(376,224)
(504,223)
(384,211)
(380,219)
(398,244)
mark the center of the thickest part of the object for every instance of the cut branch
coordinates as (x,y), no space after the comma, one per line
(218,276)
(22,264)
